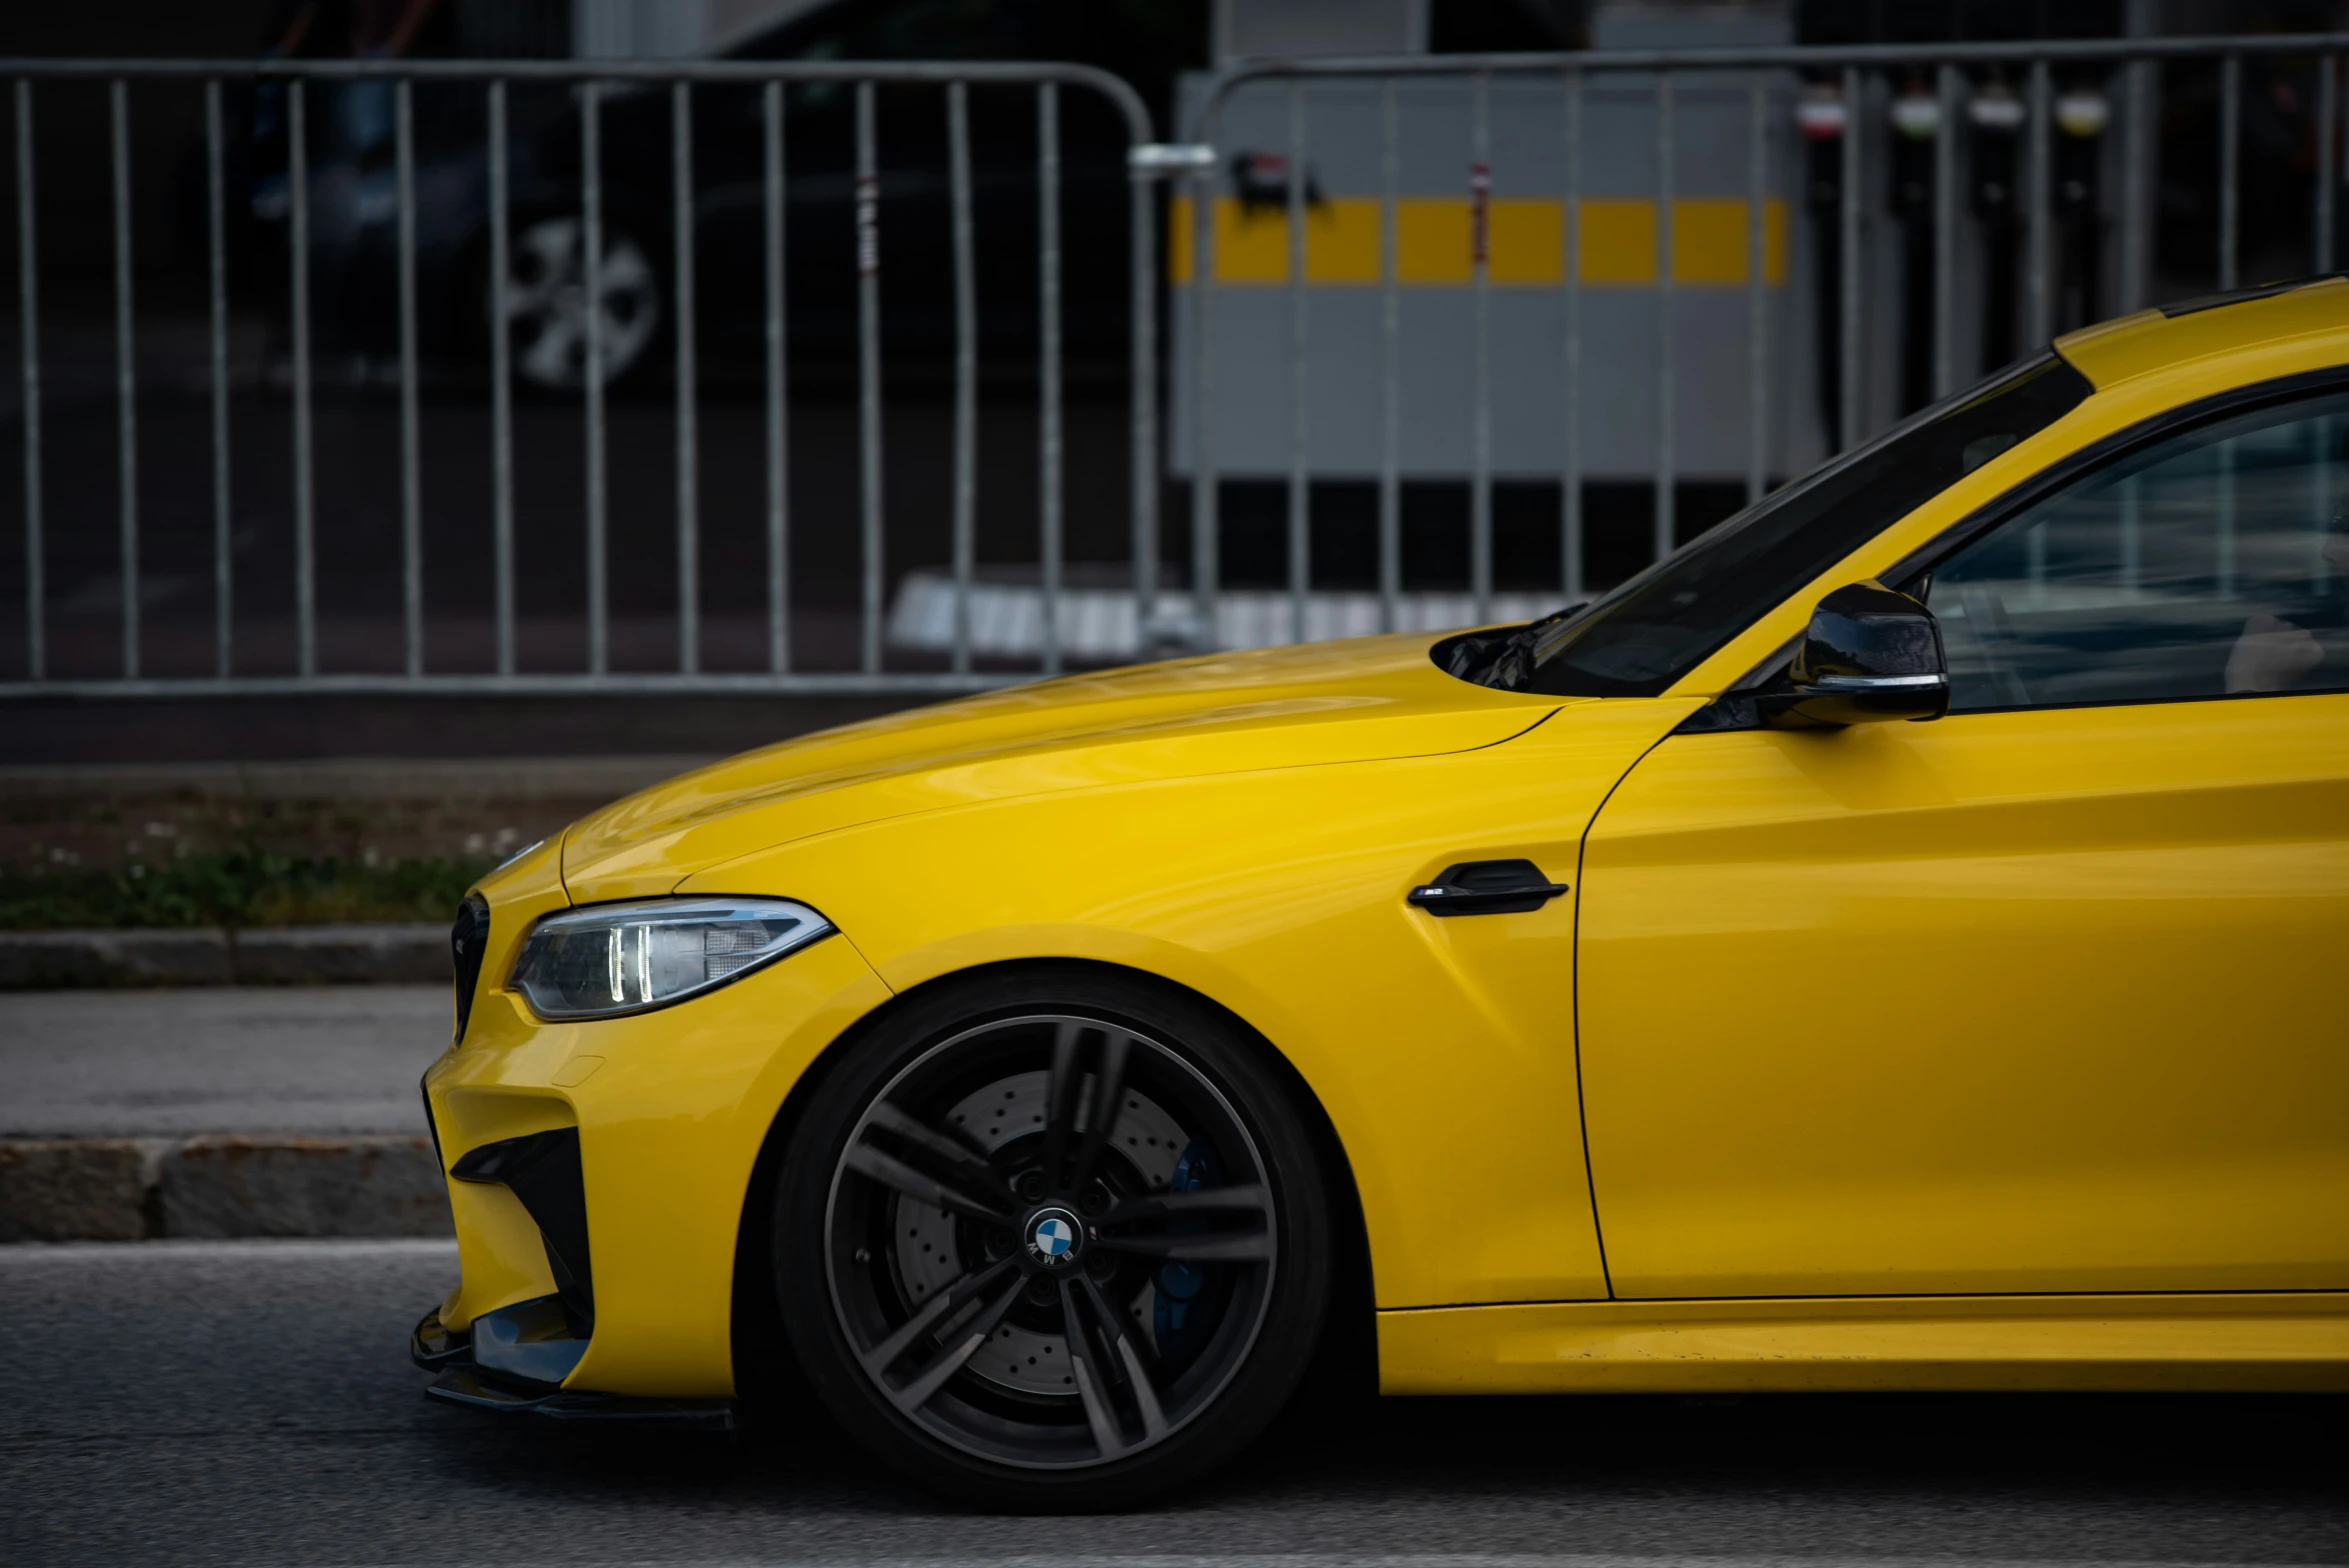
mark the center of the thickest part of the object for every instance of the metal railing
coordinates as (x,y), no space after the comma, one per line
(1768,77)
(1062,613)
(592,82)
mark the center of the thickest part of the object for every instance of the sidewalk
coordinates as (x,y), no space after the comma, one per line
(218,1112)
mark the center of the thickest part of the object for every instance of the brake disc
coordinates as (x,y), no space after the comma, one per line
(929,1251)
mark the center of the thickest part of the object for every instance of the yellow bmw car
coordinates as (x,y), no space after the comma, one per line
(1896,942)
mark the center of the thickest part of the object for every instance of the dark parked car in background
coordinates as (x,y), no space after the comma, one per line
(353,201)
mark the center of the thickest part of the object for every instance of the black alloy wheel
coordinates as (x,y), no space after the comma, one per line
(1053,1243)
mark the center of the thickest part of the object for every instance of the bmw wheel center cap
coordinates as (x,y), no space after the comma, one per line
(1055,1237)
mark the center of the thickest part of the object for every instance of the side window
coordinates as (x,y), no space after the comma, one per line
(2213,563)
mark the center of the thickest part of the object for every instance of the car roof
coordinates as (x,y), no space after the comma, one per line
(2114,351)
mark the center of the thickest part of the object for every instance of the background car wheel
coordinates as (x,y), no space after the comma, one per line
(1053,1241)
(547,306)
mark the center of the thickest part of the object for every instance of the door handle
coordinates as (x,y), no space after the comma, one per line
(1486,887)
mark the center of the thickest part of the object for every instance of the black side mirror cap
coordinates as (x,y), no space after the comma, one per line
(1869,656)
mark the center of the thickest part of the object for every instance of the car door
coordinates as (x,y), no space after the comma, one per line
(2043,996)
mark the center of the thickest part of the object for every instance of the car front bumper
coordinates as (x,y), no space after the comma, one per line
(604,1264)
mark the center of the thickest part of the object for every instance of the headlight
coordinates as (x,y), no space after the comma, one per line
(609,959)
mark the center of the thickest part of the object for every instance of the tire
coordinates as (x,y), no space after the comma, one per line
(1039,1343)
(546,302)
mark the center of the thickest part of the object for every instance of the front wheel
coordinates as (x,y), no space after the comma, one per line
(1053,1242)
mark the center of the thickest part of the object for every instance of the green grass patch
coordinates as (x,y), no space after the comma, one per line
(237,889)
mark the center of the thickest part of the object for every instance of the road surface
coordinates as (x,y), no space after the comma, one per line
(196,1403)
(315,1060)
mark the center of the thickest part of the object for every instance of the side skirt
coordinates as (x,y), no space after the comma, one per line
(2248,1342)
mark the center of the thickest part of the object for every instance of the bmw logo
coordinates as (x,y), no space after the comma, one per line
(1054,1236)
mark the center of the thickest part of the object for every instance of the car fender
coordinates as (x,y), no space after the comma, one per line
(1279,895)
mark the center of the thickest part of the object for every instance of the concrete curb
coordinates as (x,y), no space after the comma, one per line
(289,955)
(219,1186)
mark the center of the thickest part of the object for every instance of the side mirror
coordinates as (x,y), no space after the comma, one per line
(1869,655)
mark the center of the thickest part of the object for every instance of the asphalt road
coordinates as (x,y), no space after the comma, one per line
(193,1403)
(311,1059)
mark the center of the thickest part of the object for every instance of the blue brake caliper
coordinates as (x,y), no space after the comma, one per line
(1181,1330)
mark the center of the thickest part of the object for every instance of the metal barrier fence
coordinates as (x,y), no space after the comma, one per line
(591,82)
(1063,618)
(1767,76)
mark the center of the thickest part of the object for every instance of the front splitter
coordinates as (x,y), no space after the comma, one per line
(465,1386)
(460,1381)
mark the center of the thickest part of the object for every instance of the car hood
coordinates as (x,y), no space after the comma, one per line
(1355,701)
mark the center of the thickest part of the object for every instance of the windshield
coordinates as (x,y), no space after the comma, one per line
(1663,623)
